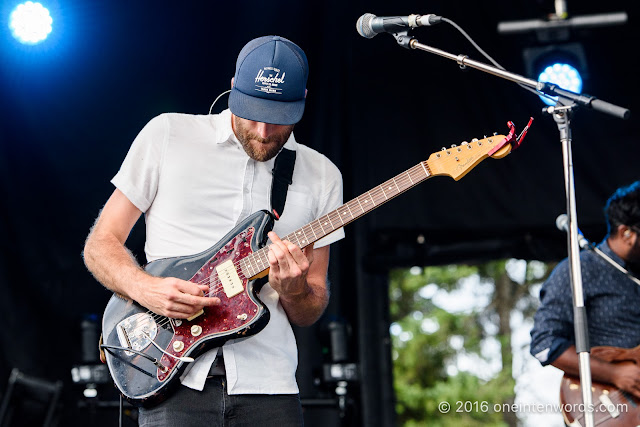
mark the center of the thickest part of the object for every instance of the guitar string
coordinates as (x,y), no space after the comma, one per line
(616,397)
(377,193)
(600,421)
(403,181)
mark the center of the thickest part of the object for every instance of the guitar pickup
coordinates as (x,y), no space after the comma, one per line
(231,282)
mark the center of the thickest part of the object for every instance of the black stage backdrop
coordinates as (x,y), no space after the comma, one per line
(70,108)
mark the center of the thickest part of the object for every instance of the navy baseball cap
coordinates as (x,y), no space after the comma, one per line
(270,81)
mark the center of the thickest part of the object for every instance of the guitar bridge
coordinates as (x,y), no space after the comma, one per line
(609,405)
(136,332)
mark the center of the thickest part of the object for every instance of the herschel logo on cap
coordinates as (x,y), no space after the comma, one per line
(269,79)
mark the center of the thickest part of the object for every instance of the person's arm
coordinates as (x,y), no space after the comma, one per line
(625,376)
(111,263)
(300,278)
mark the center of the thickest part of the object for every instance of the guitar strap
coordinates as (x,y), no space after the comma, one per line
(282,178)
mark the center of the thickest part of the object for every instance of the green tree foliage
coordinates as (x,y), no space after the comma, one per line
(427,339)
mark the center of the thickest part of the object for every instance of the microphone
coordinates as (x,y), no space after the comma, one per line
(562,222)
(369,25)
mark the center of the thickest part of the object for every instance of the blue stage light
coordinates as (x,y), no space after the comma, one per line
(564,75)
(30,23)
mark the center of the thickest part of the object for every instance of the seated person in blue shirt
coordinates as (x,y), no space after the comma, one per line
(612,300)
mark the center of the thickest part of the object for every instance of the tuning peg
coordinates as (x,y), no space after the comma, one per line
(474,140)
(465,143)
(453,145)
(495,133)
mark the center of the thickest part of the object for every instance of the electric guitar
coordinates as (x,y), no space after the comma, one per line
(611,406)
(146,353)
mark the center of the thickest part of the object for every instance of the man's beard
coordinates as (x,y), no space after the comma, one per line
(258,148)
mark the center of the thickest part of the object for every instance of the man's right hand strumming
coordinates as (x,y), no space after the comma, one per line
(172,297)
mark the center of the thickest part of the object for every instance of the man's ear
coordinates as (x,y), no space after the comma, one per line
(232,83)
(305,89)
(626,233)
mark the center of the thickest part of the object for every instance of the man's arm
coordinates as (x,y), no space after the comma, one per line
(300,278)
(624,376)
(107,258)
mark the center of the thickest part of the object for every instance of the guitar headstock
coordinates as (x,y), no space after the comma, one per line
(458,160)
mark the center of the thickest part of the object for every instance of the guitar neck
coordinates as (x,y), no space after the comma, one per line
(455,162)
(257,262)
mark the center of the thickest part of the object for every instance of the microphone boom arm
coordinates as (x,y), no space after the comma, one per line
(551,89)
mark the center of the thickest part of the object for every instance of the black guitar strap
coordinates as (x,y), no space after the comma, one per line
(282,178)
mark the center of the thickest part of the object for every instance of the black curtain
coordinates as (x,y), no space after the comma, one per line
(71,108)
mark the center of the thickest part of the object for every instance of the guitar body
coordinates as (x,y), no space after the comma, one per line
(145,381)
(612,406)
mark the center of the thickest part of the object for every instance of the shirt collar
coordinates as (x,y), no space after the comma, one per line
(604,247)
(221,124)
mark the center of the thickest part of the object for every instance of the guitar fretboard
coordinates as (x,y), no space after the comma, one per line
(258,261)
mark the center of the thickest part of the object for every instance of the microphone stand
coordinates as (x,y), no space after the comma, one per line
(567,102)
(562,117)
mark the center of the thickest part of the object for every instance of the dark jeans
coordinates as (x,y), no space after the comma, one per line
(213,407)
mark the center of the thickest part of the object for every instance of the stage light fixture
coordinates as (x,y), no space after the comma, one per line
(30,23)
(562,64)
(556,60)
(564,75)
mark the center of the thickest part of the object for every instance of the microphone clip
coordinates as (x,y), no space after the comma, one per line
(403,39)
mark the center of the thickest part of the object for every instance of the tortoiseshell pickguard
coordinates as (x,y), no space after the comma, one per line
(233,314)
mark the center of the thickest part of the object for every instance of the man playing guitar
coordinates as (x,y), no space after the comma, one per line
(196,177)
(612,301)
